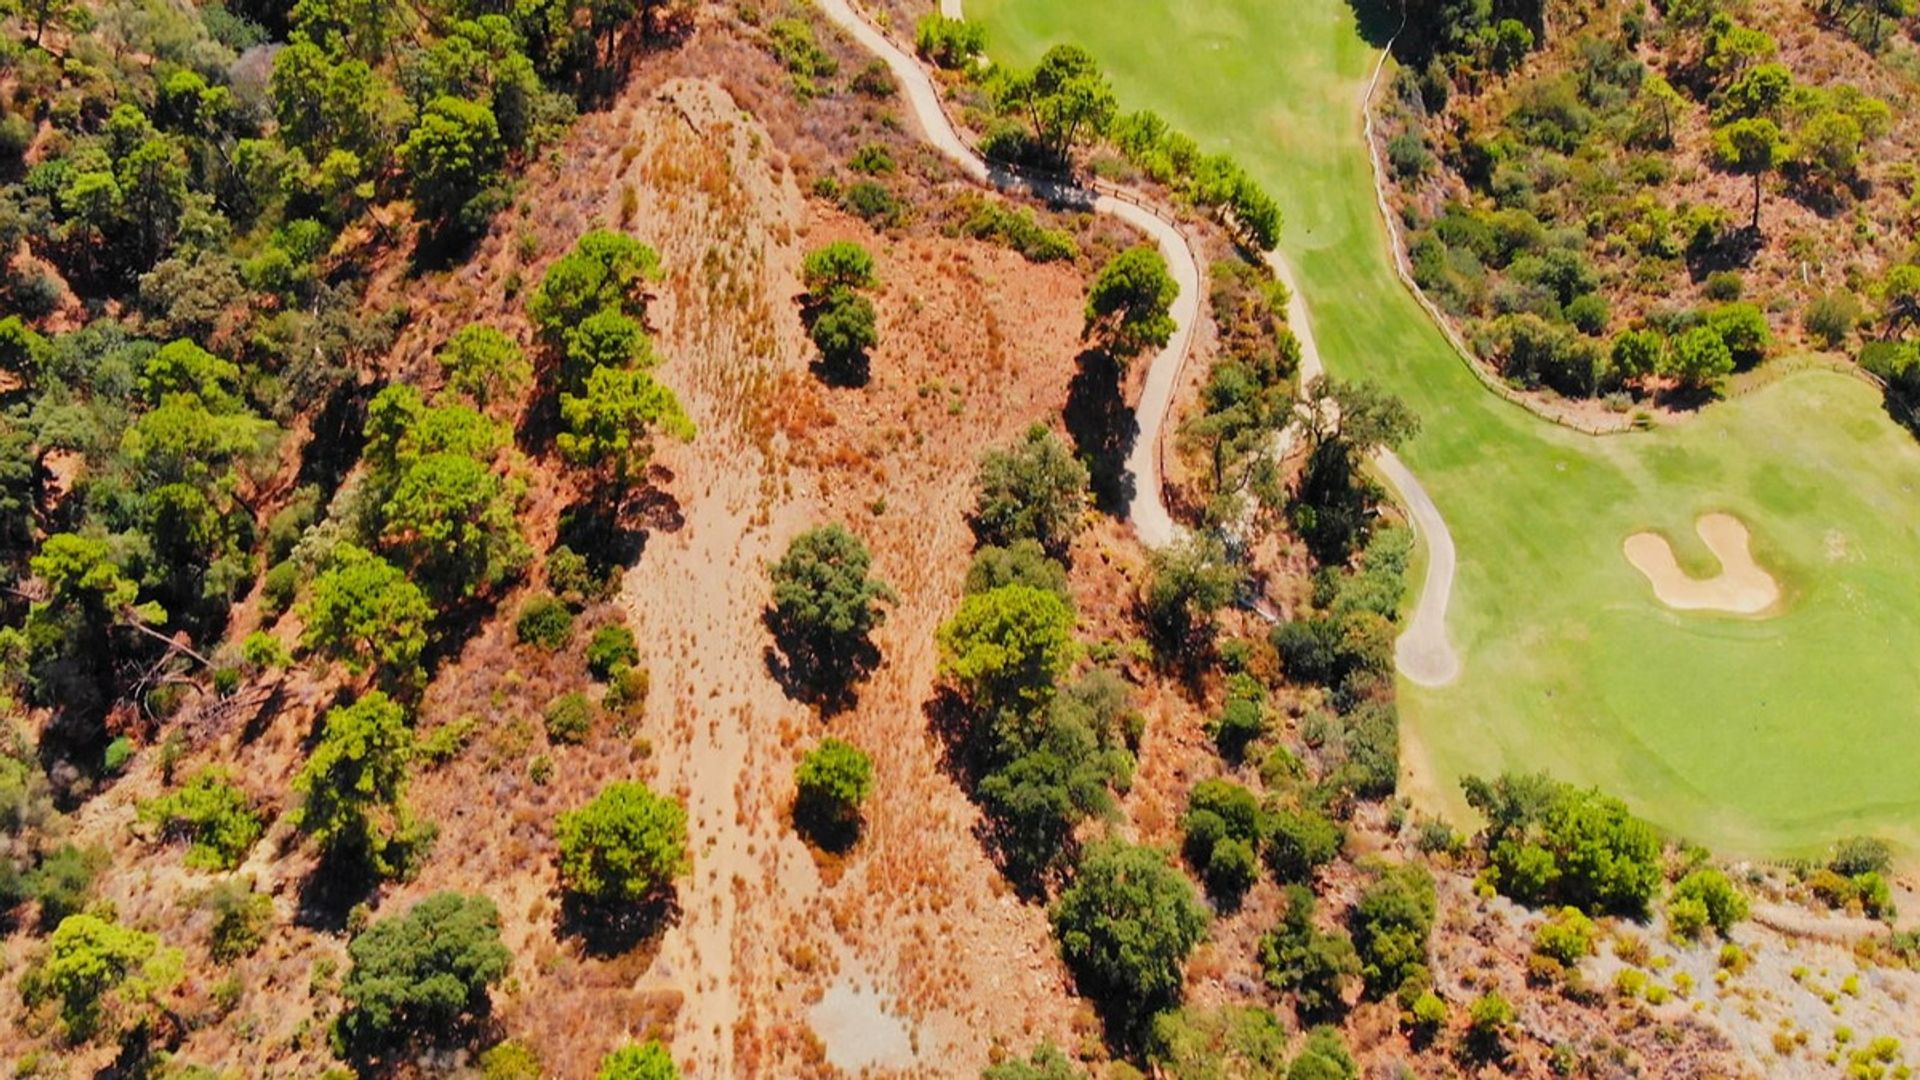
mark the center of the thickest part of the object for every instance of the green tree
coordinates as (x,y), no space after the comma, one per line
(1743,327)
(608,338)
(1046,1062)
(1565,938)
(1300,959)
(1705,897)
(831,782)
(1035,490)
(1228,1042)
(1751,147)
(1300,841)
(1324,1057)
(610,649)
(1549,842)
(948,43)
(610,424)
(1637,354)
(1022,563)
(1007,648)
(485,365)
(352,785)
(1489,1019)
(1700,359)
(1126,925)
(625,846)
(604,271)
(241,919)
(1066,98)
(213,814)
(1223,827)
(841,264)
(1049,772)
(825,608)
(449,521)
(72,634)
(364,612)
(421,973)
(843,326)
(1129,304)
(1333,503)
(22,349)
(1391,924)
(1663,102)
(1512,41)
(1188,583)
(638,1061)
(94,963)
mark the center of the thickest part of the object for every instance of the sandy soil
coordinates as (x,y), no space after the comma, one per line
(1741,587)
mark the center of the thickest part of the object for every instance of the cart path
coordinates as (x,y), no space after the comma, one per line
(1423,653)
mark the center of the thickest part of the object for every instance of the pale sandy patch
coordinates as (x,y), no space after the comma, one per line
(1741,587)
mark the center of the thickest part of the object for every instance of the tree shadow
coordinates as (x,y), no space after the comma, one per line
(1103,428)
(609,526)
(823,675)
(339,881)
(848,369)
(1732,249)
(338,437)
(1375,20)
(604,931)
(964,756)
(825,828)
(1687,398)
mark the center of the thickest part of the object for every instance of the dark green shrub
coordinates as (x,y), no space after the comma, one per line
(420,974)
(1724,286)
(1589,313)
(544,621)
(278,589)
(569,718)
(241,918)
(611,648)
(1831,317)
(874,203)
(1300,841)
(871,159)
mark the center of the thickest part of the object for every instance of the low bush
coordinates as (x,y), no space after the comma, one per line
(544,621)
(569,718)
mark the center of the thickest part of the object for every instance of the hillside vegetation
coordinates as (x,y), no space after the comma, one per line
(1636,202)
(562,540)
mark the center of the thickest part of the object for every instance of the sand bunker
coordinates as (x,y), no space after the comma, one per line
(1741,587)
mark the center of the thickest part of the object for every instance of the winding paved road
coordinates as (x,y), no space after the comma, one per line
(1423,653)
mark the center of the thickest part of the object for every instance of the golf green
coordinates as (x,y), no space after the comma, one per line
(1758,736)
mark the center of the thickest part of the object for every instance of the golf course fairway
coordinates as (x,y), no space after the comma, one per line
(1759,736)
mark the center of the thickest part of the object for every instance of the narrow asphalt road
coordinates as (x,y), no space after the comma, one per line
(1423,653)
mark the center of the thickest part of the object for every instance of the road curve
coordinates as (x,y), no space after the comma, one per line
(1147,508)
(1423,653)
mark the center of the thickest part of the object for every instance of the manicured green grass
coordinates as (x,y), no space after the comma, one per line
(1762,737)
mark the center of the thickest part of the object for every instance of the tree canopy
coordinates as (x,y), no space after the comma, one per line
(1130,303)
(825,607)
(1034,490)
(1126,925)
(626,846)
(353,783)
(421,973)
